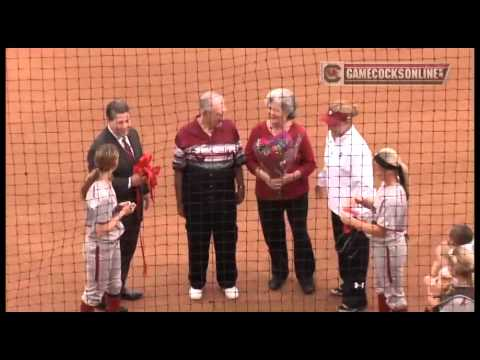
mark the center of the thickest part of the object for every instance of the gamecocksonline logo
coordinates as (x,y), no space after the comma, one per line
(339,73)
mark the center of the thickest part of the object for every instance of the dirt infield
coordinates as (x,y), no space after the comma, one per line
(55,107)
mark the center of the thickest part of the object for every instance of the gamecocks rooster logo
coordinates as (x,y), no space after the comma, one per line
(331,73)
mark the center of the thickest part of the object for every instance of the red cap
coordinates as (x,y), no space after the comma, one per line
(333,118)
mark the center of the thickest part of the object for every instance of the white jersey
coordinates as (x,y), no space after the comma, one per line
(459,299)
(459,304)
(101,201)
(348,170)
(390,211)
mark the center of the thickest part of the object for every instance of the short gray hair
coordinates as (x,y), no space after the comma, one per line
(206,100)
(286,99)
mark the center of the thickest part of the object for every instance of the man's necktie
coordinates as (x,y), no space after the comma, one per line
(127,147)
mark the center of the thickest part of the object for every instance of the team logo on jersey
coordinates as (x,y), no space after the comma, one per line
(339,73)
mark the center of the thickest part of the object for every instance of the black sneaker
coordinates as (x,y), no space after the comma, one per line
(345,308)
(276,283)
(336,292)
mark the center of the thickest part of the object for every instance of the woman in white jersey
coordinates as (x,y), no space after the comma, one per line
(387,230)
(103,230)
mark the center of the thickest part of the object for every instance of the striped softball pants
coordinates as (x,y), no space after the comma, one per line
(103,270)
(389,263)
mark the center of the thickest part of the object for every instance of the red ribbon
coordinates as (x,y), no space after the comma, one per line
(144,168)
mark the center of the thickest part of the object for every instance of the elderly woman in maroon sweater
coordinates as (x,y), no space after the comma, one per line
(279,154)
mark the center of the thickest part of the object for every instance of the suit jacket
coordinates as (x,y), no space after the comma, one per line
(125,166)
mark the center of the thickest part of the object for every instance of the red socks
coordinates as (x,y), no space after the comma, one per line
(86,308)
(382,304)
(113,302)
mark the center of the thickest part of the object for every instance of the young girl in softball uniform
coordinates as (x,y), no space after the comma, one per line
(387,230)
(103,229)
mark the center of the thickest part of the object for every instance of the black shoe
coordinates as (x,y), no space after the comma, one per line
(336,292)
(345,308)
(120,309)
(308,286)
(276,283)
(131,295)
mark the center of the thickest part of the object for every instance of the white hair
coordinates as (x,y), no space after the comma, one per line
(206,100)
(285,98)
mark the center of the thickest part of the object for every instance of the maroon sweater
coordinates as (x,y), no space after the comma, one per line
(280,155)
(208,162)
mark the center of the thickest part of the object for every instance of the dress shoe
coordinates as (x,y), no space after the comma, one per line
(345,308)
(308,286)
(276,283)
(131,295)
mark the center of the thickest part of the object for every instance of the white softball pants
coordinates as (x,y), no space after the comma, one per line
(389,265)
(103,270)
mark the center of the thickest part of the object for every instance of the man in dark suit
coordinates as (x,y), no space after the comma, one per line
(128,186)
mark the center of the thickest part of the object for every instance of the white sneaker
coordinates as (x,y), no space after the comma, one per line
(231,293)
(195,294)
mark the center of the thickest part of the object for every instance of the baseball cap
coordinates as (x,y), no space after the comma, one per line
(332,118)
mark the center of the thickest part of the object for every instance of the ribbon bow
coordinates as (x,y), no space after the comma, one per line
(144,168)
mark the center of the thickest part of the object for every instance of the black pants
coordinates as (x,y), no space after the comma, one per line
(273,225)
(217,217)
(353,255)
(128,243)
